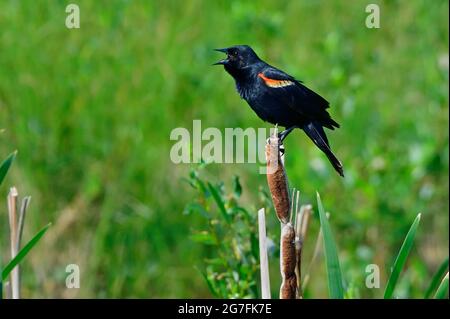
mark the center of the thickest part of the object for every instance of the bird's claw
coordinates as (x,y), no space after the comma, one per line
(282,136)
(281,149)
(280,145)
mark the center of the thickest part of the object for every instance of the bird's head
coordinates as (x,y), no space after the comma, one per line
(239,57)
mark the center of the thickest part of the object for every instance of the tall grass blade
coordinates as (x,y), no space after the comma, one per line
(215,194)
(401,258)
(335,287)
(209,283)
(442,291)
(436,278)
(23,252)
(4,167)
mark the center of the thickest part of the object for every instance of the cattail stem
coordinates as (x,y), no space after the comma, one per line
(286,209)
(264,260)
(279,190)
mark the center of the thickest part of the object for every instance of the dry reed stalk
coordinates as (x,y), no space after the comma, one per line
(298,244)
(276,179)
(16,223)
(307,211)
(301,226)
(12,213)
(22,214)
(264,260)
(288,289)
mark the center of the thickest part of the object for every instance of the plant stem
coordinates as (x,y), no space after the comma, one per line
(264,261)
(12,213)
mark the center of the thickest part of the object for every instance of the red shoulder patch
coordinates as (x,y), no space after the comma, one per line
(274,83)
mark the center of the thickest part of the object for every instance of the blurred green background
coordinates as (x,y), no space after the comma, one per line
(90,111)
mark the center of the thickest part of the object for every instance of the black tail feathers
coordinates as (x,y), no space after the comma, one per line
(316,133)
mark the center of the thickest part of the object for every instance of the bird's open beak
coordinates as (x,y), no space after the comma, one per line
(223,61)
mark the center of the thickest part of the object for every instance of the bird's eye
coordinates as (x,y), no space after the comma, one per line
(234,52)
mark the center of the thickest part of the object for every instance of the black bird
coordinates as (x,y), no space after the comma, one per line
(278,98)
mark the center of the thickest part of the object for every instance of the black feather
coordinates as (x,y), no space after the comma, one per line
(321,141)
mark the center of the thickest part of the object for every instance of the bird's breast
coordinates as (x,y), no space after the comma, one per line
(245,91)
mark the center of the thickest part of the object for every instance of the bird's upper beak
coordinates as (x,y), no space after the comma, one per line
(223,61)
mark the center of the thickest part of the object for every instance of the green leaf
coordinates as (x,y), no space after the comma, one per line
(237,188)
(196,208)
(202,187)
(401,258)
(195,181)
(437,278)
(219,262)
(254,246)
(209,282)
(442,291)
(204,237)
(23,252)
(335,287)
(6,165)
(219,203)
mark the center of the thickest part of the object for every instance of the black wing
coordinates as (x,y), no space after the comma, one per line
(301,99)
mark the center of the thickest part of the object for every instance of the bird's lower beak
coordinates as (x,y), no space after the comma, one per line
(223,61)
(224,50)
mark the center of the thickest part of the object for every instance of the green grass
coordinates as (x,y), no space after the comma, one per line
(4,272)
(442,291)
(90,112)
(23,252)
(401,259)
(434,284)
(6,164)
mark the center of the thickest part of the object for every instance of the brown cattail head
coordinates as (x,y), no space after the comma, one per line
(277,180)
(288,263)
(288,288)
(287,250)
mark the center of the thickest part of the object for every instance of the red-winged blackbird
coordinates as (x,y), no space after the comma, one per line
(279,98)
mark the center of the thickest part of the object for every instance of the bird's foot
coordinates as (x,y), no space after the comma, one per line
(281,149)
(280,145)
